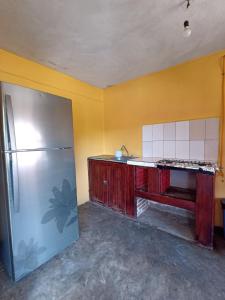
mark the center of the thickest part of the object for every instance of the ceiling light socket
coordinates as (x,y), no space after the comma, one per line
(187,29)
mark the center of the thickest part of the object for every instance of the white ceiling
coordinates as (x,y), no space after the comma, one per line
(104,42)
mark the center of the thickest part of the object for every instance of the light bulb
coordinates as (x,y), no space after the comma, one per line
(187,29)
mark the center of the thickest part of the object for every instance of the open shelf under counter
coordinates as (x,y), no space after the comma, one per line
(187,189)
(180,193)
(165,199)
(164,187)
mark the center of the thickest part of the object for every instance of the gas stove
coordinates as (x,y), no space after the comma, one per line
(204,166)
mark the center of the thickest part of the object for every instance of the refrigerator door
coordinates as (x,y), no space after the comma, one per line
(42,206)
(33,119)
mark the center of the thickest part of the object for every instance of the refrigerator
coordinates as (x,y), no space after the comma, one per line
(38,205)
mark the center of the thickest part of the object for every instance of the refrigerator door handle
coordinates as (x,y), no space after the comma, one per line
(13,179)
(10,123)
(11,140)
(15,182)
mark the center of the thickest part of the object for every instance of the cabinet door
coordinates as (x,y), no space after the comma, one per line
(117,182)
(98,181)
(153,180)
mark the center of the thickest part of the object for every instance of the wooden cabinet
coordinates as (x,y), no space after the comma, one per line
(112,184)
(153,180)
(116,188)
(117,184)
(205,204)
(98,181)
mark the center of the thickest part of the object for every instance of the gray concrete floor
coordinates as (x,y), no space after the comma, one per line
(173,220)
(117,258)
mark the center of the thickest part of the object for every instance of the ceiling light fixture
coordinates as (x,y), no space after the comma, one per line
(187,29)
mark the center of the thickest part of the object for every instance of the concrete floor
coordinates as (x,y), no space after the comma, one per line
(117,258)
(176,221)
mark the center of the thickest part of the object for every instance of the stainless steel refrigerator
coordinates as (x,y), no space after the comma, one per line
(38,207)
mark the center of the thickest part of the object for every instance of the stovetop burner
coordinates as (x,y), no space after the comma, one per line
(188,164)
(182,161)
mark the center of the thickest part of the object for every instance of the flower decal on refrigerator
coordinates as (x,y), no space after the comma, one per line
(62,207)
(26,258)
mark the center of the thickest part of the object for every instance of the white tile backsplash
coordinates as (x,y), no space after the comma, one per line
(211,150)
(157,148)
(182,149)
(197,130)
(212,128)
(147,133)
(182,131)
(169,131)
(197,151)
(157,132)
(169,149)
(147,149)
(195,139)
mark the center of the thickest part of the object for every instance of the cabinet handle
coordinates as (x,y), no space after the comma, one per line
(105,182)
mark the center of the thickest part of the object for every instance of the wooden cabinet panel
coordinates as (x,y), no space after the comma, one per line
(164,180)
(153,180)
(117,182)
(131,207)
(141,178)
(205,209)
(98,181)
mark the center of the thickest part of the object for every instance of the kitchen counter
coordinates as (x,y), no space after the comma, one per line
(112,158)
(130,160)
(156,162)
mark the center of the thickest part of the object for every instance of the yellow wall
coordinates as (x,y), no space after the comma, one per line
(188,91)
(87,107)
(104,120)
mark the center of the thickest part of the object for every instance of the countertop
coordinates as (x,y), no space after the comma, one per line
(130,160)
(123,159)
(152,162)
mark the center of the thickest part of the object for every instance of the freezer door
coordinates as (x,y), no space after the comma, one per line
(42,204)
(33,119)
